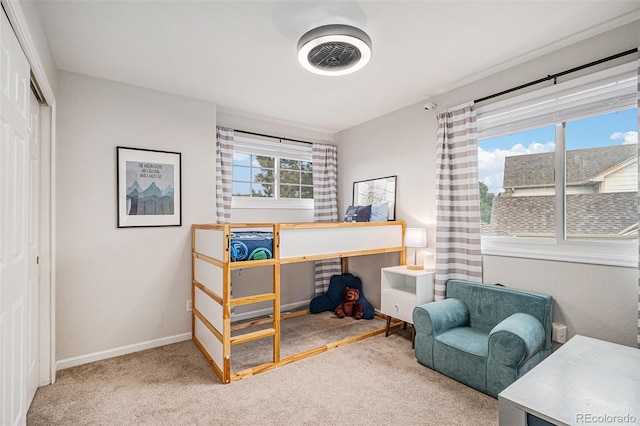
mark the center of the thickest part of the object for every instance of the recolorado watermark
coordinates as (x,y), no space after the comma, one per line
(588,418)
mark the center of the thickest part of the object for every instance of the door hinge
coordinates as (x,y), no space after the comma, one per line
(37,260)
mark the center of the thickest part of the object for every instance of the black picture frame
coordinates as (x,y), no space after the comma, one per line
(149,187)
(375,192)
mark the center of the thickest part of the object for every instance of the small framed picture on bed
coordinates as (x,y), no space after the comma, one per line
(148,187)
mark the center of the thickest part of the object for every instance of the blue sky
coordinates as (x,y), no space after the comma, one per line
(606,130)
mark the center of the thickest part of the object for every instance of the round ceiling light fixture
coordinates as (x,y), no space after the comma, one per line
(334,50)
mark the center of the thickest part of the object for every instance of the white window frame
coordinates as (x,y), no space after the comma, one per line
(250,145)
(498,118)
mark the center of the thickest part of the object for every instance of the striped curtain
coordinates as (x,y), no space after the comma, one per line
(224,173)
(325,206)
(457,199)
(638,83)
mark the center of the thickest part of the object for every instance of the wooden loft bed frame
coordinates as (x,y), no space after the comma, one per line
(292,242)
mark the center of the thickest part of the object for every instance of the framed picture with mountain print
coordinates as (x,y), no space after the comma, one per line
(149,187)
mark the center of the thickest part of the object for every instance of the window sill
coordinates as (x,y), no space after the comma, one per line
(269,203)
(610,253)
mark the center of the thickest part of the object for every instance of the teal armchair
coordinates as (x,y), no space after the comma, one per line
(485,336)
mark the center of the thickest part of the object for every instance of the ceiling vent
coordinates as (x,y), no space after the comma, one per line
(334,50)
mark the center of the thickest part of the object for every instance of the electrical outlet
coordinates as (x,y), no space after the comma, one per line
(559,332)
(189,305)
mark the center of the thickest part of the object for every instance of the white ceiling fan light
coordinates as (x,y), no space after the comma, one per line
(334,50)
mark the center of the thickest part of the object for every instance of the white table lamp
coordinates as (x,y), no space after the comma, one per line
(415,238)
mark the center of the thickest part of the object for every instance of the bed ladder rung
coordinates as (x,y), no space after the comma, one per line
(255,335)
(252,299)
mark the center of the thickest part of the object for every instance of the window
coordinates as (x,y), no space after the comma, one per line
(601,176)
(271,175)
(558,171)
(253,175)
(296,179)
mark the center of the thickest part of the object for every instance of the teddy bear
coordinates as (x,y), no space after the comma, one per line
(350,306)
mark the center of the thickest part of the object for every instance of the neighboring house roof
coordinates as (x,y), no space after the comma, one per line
(587,214)
(535,170)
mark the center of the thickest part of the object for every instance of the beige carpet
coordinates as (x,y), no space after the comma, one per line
(297,335)
(376,381)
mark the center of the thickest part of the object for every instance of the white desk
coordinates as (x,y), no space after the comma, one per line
(586,381)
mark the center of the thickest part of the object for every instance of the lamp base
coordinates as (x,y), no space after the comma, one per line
(415,267)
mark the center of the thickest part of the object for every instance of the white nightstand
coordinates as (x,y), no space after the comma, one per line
(402,290)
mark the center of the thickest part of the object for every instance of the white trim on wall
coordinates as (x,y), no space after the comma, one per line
(123,350)
(611,253)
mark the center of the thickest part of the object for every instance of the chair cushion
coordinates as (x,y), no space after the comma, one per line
(466,339)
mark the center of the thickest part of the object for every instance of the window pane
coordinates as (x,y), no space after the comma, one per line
(306,166)
(289,191)
(289,164)
(517,194)
(261,190)
(262,175)
(241,189)
(264,162)
(307,178)
(242,174)
(307,192)
(289,177)
(602,176)
(241,159)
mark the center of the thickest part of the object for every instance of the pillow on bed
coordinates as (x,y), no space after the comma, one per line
(380,213)
(333,296)
(358,214)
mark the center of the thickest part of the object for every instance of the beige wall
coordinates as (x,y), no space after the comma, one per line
(597,301)
(120,287)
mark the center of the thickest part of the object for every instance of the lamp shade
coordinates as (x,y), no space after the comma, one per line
(415,237)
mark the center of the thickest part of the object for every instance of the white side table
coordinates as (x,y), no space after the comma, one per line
(402,290)
(585,381)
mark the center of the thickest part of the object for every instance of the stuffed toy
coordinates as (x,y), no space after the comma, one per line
(330,300)
(350,306)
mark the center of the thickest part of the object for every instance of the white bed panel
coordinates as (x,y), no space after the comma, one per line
(299,242)
(210,242)
(209,275)
(209,308)
(212,345)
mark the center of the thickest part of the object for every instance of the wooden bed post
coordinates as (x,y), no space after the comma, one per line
(276,293)
(193,278)
(345,265)
(226,307)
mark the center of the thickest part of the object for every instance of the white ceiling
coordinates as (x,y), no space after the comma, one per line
(242,55)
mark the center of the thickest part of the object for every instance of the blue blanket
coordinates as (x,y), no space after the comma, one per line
(251,246)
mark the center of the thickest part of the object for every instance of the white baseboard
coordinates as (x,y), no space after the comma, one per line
(137,347)
(124,350)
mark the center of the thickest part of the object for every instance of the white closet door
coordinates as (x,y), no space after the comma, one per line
(14,178)
(33,243)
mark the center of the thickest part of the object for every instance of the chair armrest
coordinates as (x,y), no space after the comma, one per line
(515,339)
(436,317)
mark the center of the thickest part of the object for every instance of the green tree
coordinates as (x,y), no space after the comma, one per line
(486,201)
(265,177)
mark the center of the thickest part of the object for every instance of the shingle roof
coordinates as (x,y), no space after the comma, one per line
(587,214)
(582,164)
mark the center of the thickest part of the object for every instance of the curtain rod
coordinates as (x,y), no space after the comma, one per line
(271,136)
(560,74)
